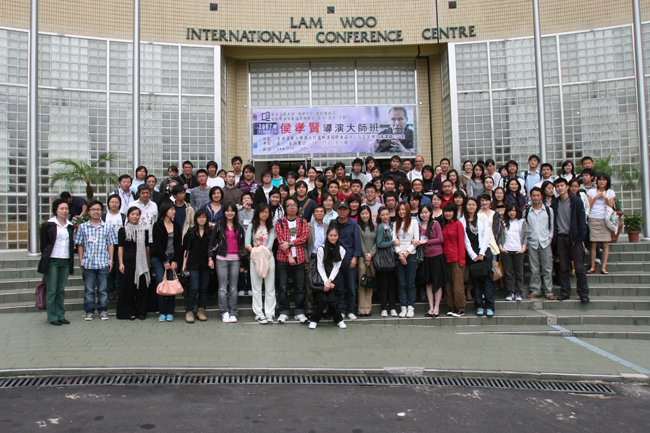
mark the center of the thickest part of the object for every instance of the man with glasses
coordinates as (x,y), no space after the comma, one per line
(95,240)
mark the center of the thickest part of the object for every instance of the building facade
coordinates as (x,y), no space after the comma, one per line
(312,82)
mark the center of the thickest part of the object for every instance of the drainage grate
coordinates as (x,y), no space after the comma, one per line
(305,379)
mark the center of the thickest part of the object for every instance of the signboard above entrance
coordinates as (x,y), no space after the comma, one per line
(332,130)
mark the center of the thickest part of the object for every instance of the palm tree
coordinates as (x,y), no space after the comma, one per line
(72,172)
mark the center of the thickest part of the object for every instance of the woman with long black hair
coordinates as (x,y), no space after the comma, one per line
(259,242)
(195,260)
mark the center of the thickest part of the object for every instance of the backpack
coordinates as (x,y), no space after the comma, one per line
(548,213)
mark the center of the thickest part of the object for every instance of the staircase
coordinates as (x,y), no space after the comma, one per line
(619,307)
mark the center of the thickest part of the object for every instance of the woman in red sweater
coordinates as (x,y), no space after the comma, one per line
(453,235)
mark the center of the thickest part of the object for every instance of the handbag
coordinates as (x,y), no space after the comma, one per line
(41,289)
(497,271)
(611,219)
(169,287)
(419,254)
(368,282)
(479,269)
(384,259)
(315,280)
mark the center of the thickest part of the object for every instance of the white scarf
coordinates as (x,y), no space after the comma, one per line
(135,233)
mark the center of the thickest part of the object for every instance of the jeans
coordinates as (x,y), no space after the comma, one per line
(298,275)
(199,280)
(165,303)
(95,278)
(349,289)
(541,269)
(513,267)
(484,287)
(227,272)
(56,279)
(406,281)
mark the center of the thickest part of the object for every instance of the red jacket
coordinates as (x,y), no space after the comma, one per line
(453,235)
(282,235)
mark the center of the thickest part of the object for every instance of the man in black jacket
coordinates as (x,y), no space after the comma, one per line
(570,232)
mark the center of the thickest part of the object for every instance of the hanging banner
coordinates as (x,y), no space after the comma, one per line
(331,130)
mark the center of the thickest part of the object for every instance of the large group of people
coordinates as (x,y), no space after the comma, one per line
(330,242)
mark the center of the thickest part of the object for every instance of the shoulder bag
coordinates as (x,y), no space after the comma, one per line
(384,259)
(169,287)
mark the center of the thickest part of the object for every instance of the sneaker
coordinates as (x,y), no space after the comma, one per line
(169,318)
(103,315)
(402,312)
(189,317)
(225,317)
(342,324)
(510,297)
(261,320)
(479,312)
(410,311)
(233,318)
(384,313)
(282,319)
(517,297)
(269,319)
(460,313)
(393,313)
(301,318)
(89,316)
(313,325)
(489,313)
(241,293)
(351,316)
(451,313)
(249,293)
(161,318)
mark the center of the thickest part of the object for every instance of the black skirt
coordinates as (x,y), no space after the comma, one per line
(433,270)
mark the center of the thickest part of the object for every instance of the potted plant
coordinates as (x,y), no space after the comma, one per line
(633,225)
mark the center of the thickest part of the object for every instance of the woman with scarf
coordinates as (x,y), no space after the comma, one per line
(329,258)
(133,258)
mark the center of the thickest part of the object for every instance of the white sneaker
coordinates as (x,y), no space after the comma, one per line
(269,319)
(225,317)
(88,316)
(301,318)
(518,298)
(313,325)
(402,312)
(410,311)
(249,293)
(282,318)
(510,297)
(261,320)
(384,313)
(393,313)
(241,293)
(351,316)
(342,324)
(233,319)
(103,315)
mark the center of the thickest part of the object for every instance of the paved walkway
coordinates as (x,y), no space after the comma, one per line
(29,343)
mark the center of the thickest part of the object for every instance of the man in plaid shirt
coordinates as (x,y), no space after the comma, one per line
(292,233)
(95,240)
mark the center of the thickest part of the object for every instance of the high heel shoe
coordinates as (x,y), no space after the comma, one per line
(591,271)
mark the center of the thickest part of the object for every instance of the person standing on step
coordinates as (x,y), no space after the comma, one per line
(599,199)
(329,260)
(541,223)
(317,230)
(292,233)
(57,260)
(406,238)
(115,220)
(350,239)
(260,237)
(134,261)
(94,240)
(453,246)
(195,260)
(166,255)
(570,230)
(366,267)
(513,239)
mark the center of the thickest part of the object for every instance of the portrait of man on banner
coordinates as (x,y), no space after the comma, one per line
(398,136)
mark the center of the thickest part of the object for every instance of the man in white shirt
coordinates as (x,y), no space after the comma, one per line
(357,166)
(148,210)
(213,179)
(547,174)
(540,220)
(416,173)
(237,163)
(124,192)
